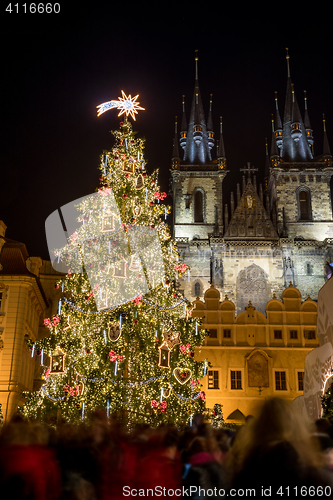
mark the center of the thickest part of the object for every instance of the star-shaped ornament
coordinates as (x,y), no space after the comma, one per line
(171,338)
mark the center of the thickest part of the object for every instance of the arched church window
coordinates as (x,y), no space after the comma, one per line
(198,206)
(197,289)
(304,204)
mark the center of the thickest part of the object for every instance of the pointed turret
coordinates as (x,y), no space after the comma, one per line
(295,147)
(197,150)
(183,130)
(326,146)
(278,124)
(275,157)
(307,124)
(267,164)
(210,124)
(222,161)
(175,152)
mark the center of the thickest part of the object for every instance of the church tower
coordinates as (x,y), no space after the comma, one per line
(265,238)
(299,182)
(196,175)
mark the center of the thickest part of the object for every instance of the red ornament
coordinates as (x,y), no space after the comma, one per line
(88,351)
(56,286)
(152,226)
(151,203)
(124,196)
(121,124)
(123,315)
(135,321)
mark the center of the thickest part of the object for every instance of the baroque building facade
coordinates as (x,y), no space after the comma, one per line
(27,296)
(253,356)
(265,236)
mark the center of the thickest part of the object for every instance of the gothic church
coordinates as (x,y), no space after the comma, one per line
(252,246)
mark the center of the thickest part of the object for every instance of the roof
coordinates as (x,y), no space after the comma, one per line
(13,259)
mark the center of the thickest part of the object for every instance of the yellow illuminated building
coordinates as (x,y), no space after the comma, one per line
(27,296)
(251,355)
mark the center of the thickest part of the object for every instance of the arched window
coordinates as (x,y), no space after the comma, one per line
(304,204)
(198,207)
(197,289)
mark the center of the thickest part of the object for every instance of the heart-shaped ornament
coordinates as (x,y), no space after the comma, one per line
(182,375)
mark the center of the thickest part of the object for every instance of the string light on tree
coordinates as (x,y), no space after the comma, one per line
(127,353)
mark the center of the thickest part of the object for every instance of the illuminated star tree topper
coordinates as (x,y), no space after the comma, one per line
(126,104)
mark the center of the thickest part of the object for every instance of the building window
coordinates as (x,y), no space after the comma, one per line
(1,299)
(213,379)
(304,204)
(227,333)
(197,289)
(278,334)
(213,333)
(236,379)
(300,381)
(198,206)
(280,381)
(308,269)
(293,334)
(309,334)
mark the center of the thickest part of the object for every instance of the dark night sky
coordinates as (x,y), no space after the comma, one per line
(57,68)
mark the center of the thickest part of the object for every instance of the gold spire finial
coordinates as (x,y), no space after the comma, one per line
(196,56)
(196,64)
(324,122)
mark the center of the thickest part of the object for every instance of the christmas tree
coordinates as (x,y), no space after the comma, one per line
(123,339)
(217,419)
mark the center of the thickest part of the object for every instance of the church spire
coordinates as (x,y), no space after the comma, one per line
(197,150)
(295,147)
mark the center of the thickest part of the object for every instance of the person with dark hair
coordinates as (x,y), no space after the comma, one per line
(204,473)
(276,451)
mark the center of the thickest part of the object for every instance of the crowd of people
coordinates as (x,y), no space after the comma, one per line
(275,454)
